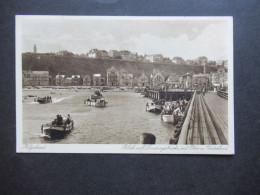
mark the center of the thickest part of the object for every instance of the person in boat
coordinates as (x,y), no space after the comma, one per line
(59,120)
(54,122)
(68,119)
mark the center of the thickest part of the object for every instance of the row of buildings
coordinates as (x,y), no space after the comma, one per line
(133,56)
(122,78)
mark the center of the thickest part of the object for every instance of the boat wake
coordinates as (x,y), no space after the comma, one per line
(57,100)
(33,102)
(43,135)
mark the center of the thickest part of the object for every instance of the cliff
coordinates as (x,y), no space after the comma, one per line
(69,65)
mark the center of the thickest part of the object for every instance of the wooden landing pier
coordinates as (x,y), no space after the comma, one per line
(206,122)
(170,95)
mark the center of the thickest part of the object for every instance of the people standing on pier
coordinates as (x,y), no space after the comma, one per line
(203,91)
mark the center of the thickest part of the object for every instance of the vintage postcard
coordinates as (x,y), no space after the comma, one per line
(142,85)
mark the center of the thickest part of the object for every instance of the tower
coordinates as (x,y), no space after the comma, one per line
(34,48)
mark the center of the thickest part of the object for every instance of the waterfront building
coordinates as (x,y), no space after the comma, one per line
(87,80)
(96,79)
(173,79)
(135,81)
(143,81)
(112,77)
(125,55)
(186,81)
(178,60)
(125,79)
(36,78)
(103,81)
(76,80)
(60,80)
(157,77)
(200,80)
(220,79)
(68,81)
(114,54)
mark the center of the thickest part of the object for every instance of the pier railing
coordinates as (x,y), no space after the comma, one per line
(185,126)
(223,94)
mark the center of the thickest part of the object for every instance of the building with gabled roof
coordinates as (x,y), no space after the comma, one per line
(60,80)
(158,77)
(112,77)
(87,80)
(143,81)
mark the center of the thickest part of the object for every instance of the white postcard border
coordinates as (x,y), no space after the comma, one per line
(122,148)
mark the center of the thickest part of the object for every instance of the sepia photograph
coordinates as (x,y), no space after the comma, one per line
(114,84)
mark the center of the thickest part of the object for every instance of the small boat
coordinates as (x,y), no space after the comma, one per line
(167,114)
(43,100)
(52,93)
(172,113)
(154,106)
(96,100)
(96,103)
(57,130)
(32,96)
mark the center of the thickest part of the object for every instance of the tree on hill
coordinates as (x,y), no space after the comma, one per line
(178,60)
(202,60)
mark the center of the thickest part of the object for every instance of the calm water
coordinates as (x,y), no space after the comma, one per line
(122,122)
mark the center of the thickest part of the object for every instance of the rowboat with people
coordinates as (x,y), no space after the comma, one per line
(96,100)
(58,128)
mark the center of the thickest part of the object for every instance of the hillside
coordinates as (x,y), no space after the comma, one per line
(69,65)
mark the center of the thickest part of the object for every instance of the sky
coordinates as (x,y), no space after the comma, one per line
(188,38)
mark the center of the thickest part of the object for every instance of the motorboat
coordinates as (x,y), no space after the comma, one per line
(97,103)
(154,106)
(58,128)
(96,100)
(43,100)
(173,112)
(167,114)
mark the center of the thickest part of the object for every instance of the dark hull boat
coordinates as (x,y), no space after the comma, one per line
(44,100)
(152,107)
(57,131)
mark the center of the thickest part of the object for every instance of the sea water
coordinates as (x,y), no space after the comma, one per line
(121,122)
